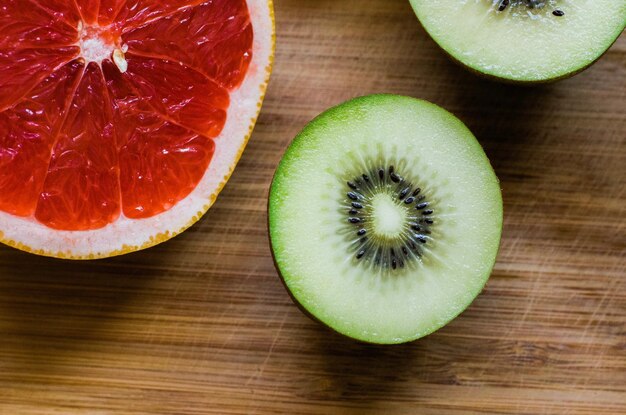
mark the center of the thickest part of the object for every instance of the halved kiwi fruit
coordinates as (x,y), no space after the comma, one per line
(523,40)
(385,218)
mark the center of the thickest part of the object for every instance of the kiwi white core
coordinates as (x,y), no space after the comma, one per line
(389,217)
(316,239)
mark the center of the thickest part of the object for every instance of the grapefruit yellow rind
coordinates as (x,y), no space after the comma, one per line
(259,72)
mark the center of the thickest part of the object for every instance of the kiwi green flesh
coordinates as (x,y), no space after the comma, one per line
(521,43)
(312,240)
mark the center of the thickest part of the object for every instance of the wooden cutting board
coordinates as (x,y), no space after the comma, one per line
(202,325)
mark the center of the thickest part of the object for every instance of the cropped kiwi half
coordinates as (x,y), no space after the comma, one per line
(523,41)
(385,218)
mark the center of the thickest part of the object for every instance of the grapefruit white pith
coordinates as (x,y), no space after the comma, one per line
(121,120)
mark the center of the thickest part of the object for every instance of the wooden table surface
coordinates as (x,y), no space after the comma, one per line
(202,325)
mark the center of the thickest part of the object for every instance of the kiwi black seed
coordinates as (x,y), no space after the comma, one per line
(533,4)
(380,250)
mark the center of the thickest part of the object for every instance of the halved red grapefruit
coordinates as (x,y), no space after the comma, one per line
(121,120)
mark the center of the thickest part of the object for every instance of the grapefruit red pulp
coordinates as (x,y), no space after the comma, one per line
(120,120)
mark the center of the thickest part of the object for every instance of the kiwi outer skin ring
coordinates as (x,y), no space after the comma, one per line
(510,81)
(307,312)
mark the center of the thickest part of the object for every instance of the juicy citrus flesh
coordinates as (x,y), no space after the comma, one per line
(110,108)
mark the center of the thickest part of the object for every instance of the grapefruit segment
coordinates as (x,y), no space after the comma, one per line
(26,137)
(160,162)
(109,11)
(63,11)
(179,93)
(88,10)
(25,26)
(138,12)
(81,190)
(23,69)
(218,37)
(113,111)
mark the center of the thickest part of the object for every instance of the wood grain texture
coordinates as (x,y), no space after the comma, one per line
(202,325)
